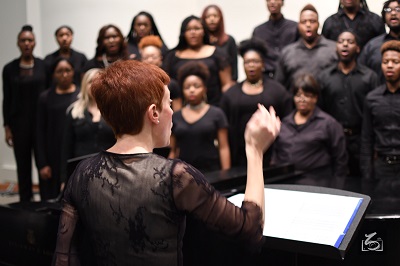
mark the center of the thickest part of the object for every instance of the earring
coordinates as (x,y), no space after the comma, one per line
(158,121)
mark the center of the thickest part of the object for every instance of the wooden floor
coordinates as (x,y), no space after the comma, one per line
(9,193)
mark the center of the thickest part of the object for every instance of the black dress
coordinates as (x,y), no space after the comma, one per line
(132,210)
(21,91)
(50,129)
(230,49)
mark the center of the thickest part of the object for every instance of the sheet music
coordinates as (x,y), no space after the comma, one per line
(305,216)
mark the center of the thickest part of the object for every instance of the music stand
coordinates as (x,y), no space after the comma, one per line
(321,250)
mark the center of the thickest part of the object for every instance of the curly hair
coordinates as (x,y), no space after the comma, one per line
(194,68)
(253,44)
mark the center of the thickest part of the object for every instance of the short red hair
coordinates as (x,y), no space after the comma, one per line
(125,90)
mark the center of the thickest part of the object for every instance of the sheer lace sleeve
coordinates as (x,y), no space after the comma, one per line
(66,249)
(194,195)
(66,253)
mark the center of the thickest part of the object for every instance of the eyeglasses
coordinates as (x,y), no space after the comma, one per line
(389,9)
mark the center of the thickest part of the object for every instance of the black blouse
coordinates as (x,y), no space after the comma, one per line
(132,210)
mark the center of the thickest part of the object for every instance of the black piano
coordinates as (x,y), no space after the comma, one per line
(28,230)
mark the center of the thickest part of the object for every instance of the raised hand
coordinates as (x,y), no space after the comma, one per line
(262,129)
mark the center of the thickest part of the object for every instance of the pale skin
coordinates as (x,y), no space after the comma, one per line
(261,131)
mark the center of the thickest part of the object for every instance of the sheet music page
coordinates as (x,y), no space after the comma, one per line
(305,216)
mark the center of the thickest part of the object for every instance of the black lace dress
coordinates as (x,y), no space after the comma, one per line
(131,210)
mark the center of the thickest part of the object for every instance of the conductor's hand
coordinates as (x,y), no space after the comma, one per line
(262,129)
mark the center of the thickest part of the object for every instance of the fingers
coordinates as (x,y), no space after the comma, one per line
(269,115)
(278,125)
(263,110)
(267,118)
(275,120)
(270,119)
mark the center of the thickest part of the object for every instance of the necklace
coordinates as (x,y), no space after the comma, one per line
(197,106)
(213,39)
(27,66)
(256,84)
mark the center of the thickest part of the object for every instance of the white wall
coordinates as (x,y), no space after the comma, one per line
(12,15)
(86,17)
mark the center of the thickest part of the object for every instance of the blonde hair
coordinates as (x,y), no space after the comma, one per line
(79,106)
